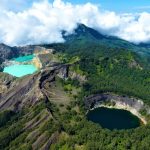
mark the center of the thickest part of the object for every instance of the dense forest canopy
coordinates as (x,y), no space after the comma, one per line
(111,69)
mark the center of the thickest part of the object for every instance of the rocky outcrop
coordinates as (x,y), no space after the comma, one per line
(6,81)
(36,62)
(76,76)
(63,73)
(26,50)
(30,49)
(7,52)
(100,98)
(134,64)
(53,139)
(43,56)
(28,90)
(115,101)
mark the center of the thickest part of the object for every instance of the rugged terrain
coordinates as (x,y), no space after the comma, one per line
(30,89)
(47,110)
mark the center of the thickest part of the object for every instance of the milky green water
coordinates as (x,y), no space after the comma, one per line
(24,58)
(19,70)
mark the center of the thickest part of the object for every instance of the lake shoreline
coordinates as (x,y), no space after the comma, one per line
(123,107)
(111,100)
(20,66)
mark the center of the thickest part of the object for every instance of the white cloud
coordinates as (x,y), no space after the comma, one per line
(44,21)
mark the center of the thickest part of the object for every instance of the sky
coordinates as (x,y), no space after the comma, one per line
(24,22)
(120,6)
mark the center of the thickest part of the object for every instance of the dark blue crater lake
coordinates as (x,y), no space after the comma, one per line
(113,118)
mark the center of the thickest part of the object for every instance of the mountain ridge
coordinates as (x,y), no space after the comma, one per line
(82,34)
(48,109)
(87,34)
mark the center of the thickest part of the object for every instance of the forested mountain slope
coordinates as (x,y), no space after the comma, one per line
(49,110)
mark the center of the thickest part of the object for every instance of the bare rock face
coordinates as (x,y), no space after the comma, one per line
(63,73)
(25,50)
(6,82)
(30,49)
(76,76)
(6,52)
(28,90)
(97,99)
(24,91)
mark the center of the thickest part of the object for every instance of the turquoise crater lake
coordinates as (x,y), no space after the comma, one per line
(24,58)
(113,118)
(20,70)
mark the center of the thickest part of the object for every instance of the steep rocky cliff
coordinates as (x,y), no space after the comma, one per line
(7,52)
(6,82)
(94,100)
(28,90)
(135,106)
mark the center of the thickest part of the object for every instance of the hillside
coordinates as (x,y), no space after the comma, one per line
(84,34)
(81,36)
(47,110)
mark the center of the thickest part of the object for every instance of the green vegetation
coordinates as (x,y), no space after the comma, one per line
(107,69)
(111,70)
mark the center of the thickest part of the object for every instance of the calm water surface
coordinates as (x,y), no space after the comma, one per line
(19,70)
(24,58)
(113,118)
